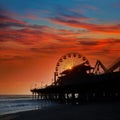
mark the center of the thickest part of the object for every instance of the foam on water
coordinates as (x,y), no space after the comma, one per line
(16,103)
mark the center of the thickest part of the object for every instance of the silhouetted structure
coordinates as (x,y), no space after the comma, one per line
(83,83)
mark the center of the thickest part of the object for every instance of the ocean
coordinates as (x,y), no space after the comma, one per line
(18,103)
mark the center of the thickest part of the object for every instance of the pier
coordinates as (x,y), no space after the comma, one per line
(80,82)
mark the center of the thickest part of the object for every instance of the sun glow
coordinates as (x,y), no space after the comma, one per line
(70,67)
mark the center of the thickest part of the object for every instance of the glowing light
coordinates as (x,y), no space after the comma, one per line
(70,67)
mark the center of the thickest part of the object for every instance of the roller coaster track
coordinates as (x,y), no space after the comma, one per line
(114,66)
(97,67)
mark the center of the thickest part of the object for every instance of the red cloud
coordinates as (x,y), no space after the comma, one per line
(9,22)
(30,40)
(88,26)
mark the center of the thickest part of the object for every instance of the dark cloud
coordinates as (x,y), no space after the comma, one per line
(45,50)
(6,22)
(112,40)
(3,17)
(95,42)
(89,26)
(21,57)
(69,14)
(9,24)
(35,49)
(11,58)
(88,42)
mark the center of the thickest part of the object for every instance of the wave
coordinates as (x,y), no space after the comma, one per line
(17,103)
(14,97)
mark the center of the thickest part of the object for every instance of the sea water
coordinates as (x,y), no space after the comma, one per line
(18,103)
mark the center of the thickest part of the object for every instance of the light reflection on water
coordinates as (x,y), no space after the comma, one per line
(13,104)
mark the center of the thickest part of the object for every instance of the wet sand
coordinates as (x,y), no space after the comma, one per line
(91,111)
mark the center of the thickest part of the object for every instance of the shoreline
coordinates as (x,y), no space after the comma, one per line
(94,111)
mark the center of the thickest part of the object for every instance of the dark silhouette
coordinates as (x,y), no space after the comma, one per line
(83,83)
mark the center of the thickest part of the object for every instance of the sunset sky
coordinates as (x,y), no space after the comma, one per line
(34,34)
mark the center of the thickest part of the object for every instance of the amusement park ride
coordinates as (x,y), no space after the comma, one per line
(75,80)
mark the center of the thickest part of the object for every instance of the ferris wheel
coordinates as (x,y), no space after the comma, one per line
(67,62)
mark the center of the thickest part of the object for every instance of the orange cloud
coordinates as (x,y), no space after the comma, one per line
(89,26)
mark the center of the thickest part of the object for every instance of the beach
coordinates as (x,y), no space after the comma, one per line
(88,111)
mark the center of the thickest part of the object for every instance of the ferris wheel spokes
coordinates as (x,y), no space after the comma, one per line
(67,62)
